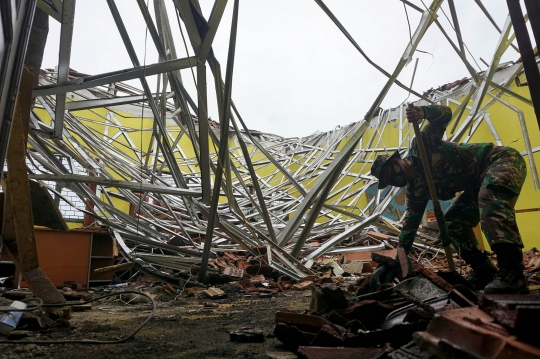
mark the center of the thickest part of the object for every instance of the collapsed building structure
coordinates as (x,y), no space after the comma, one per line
(172,190)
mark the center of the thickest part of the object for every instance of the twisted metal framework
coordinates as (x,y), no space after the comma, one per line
(267,190)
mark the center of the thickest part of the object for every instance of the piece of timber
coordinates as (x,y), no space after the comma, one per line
(114,268)
(18,225)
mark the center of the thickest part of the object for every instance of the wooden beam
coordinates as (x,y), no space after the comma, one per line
(18,226)
(115,268)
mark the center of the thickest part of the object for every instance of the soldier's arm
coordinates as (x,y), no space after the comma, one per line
(413,217)
(438,118)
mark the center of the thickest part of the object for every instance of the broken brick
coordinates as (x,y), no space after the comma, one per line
(337,319)
(263,269)
(233,272)
(259,278)
(242,264)
(303,285)
(472,333)
(307,322)
(214,293)
(381,259)
(169,289)
(327,337)
(245,283)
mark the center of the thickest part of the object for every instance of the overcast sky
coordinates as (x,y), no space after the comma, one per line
(295,72)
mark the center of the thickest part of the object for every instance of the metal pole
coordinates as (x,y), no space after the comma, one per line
(11,70)
(223,144)
(488,15)
(527,53)
(64,55)
(456,25)
(204,128)
(533,9)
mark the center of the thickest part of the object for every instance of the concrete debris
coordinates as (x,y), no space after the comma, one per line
(336,269)
(354,267)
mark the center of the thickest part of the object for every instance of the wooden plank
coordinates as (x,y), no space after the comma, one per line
(114,268)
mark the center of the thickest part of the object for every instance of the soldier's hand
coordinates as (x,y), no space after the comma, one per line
(414,114)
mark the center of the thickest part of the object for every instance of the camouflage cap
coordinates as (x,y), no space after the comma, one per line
(379,163)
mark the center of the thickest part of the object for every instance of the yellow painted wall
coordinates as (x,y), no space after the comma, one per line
(504,119)
(508,127)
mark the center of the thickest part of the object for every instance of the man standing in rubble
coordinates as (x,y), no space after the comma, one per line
(490,177)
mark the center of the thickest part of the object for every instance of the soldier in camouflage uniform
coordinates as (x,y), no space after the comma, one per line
(490,178)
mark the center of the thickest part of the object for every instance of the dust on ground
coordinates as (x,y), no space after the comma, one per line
(179,329)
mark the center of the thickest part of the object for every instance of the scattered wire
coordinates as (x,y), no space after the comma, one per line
(412,81)
(31,309)
(410,32)
(80,341)
(452,26)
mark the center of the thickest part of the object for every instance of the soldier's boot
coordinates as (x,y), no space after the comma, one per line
(509,279)
(483,271)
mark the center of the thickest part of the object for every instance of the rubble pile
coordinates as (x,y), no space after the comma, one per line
(422,316)
(532,267)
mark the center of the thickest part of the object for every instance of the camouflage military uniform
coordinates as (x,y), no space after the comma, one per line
(489,176)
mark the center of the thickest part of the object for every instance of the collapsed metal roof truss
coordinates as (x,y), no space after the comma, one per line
(179,202)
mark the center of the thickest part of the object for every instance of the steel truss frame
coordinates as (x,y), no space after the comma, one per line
(314,187)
